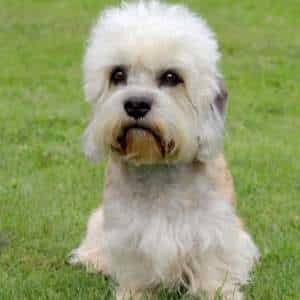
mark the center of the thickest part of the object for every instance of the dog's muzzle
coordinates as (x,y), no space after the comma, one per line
(142,143)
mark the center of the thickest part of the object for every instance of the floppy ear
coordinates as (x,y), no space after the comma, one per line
(211,125)
(221,98)
(94,78)
(89,144)
(94,73)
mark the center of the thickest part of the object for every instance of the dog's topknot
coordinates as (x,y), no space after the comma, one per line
(149,23)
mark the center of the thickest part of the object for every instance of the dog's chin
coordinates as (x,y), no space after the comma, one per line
(142,145)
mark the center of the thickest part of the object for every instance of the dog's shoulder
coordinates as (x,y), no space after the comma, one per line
(220,175)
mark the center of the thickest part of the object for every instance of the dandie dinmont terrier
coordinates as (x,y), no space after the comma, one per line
(159,103)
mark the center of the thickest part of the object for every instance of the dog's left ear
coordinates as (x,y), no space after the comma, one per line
(211,126)
(220,101)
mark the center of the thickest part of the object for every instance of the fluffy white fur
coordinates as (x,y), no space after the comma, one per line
(164,220)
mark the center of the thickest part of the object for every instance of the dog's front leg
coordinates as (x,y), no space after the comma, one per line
(90,253)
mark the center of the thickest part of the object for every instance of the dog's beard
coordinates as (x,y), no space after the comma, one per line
(142,146)
(143,143)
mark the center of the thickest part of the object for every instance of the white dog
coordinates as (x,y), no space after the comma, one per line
(159,102)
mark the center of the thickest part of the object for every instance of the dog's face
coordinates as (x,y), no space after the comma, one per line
(151,72)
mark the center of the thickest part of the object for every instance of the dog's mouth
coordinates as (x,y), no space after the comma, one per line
(142,143)
(137,131)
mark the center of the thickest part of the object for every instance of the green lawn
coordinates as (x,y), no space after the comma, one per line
(47,188)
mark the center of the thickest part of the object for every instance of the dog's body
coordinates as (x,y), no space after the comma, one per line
(159,107)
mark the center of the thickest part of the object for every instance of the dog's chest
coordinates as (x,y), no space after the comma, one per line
(156,233)
(155,222)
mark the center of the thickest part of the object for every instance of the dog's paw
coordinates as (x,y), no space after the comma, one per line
(73,259)
(92,259)
(236,295)
(126,294)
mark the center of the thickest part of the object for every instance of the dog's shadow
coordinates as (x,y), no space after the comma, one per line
(4,242)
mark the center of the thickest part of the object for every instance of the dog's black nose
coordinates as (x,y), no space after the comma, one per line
(137,107)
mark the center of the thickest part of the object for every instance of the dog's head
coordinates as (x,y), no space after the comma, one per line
(150,71)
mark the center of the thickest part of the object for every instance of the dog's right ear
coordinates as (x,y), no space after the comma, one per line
(89,144)
(94,82)
(94,73)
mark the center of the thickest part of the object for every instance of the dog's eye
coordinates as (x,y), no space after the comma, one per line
(118,76)
(170,79)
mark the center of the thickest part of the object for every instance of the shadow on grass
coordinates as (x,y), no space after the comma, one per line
(4,242)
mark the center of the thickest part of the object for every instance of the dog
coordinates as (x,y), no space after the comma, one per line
(159,105)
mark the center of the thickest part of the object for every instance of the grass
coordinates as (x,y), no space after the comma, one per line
(47,188)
